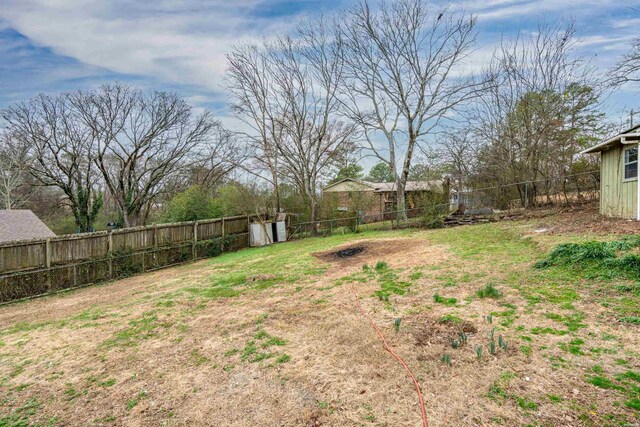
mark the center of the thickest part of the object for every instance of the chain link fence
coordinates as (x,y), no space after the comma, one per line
(483,204)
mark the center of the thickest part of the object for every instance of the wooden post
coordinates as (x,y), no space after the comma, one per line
(222,242)
(248,231)
(110,253)
(47,253)
(47,260)
(75,276)
(194,250)
(155,235)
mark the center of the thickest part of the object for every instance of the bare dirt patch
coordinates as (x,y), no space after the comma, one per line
(430,331)
(369,251)
(579,218)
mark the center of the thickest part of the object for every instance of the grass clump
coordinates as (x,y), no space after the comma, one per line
(489,291)
(588,252)
(449,318)
(604,382)
(599,259)
(444,300)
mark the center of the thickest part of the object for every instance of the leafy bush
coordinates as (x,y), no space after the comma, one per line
(193,204)
(432,217)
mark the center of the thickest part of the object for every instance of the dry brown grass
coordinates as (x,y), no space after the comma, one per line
(159,350)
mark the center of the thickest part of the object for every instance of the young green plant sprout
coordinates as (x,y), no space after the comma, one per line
(479,351)
(463,337)
(454,343)
(396,325)
(492,342)
(502,343)
(492,347)
(489,318)
(446,358)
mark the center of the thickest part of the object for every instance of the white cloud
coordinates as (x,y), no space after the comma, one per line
(172,41)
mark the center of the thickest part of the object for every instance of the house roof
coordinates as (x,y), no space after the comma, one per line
(629,136)
(22,224)
(384,187)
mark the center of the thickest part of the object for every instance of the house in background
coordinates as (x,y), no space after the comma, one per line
(373,199)
(22,224)
(619,174)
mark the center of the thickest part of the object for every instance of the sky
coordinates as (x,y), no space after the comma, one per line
(50,46)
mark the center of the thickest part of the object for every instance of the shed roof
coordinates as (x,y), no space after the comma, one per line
(384,187)
(629,136)
(22,224)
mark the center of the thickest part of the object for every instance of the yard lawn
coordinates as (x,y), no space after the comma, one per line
(271,337)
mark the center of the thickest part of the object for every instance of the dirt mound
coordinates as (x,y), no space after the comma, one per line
(436,331)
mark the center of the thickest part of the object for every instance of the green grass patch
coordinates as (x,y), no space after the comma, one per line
(450,318)
(489,291)
(604,382)
(444,300)
(547,331)
(133,402)
(143,328)
(257,349)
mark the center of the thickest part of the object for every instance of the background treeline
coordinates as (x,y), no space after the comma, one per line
(395,83)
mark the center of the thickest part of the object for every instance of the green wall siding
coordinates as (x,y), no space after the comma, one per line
(618,198)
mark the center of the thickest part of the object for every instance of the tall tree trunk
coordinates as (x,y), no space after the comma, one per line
(401,214)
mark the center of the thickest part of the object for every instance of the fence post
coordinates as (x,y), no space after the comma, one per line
(248,231)
(194,249)
(47,253)
(526,194)
(47,261)
(222,241)
(110,253)
(155,235)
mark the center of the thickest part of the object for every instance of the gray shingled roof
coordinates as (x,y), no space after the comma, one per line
(22,224)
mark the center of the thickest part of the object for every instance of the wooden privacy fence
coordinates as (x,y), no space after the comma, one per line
(37,267)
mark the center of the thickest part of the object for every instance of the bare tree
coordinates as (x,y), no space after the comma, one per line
(15,164)
(538,110)
(62,151)
(402,76)
(307,75)
(220,155)
(287,90)
(458,148)
(249,79)
(627,70)
(142,140)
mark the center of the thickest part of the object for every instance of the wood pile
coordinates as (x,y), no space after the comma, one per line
(455,220)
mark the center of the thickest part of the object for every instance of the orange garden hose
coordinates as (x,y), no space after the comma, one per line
(398,358)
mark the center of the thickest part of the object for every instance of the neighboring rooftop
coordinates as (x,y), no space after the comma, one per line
(383,187)
(22,224)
